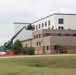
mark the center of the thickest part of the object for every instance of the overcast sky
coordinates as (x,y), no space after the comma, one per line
(28,11)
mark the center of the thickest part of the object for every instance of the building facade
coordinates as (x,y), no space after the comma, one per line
(45,40)
(56,21)
(53,21)
(50,31)
(24,34)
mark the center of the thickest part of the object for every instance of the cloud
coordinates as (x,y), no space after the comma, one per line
(29,11)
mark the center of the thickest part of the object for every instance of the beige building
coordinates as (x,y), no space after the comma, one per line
(46,40)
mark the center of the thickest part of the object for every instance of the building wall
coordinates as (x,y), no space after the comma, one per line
(27,43)
(65,41)
(24,34)
(47,19)
(69,21)
(43,44)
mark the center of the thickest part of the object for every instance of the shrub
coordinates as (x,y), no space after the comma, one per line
(17,46)
(24,50)
(30,51)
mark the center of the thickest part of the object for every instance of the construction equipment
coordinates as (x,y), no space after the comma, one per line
(4,47)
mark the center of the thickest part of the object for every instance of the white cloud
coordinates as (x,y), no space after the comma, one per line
(29,11)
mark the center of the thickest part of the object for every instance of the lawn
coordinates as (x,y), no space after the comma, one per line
(52,65)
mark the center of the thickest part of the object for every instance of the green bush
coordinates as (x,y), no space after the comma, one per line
(30,51)
(17,46)
(24,50)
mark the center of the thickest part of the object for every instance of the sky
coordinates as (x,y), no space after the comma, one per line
(27,11)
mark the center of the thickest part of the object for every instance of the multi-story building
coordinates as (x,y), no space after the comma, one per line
(46,40)
(56,20)
(55,29)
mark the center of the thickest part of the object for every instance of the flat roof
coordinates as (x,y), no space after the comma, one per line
(20,23)
(46,17)
(55,14)
(26,40)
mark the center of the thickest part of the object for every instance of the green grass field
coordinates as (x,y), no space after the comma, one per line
(51,65)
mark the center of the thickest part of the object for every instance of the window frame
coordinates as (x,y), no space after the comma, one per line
(60,21)
(48,22)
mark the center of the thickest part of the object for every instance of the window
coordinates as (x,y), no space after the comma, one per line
(42,25)
(39,26)
(47,34)
(36,27)
(47,47)
(45,24)
(36,36)
(43,47)
(25,45)
(59,34)
(60,21)
(49,22)
(37,43)
(66,34)
(39,35)
(74,34)
(61,28)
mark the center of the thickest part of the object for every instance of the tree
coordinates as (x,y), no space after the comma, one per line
(17,46)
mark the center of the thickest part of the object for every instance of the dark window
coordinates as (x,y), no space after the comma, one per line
(59,34)
(60,21)
(49,22)
(45,24)
(74,34)
(36,36)
(57,47)
(39,26)
(37,43)
(39,35)
(47,34)
(43,47)
(61,28)
(47,47)
(66,34)
(42,25)
(26,45)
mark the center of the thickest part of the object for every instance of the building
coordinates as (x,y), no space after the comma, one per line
(45,40)
(53,21)
(50,31)
(24,34)
(56,21)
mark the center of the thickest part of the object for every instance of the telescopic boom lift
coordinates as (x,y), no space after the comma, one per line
(4,48)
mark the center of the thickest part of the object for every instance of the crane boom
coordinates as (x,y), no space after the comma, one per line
(29,27)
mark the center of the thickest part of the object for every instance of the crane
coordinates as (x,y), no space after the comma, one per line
(29,27)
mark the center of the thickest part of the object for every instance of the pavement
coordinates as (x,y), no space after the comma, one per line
(21,56)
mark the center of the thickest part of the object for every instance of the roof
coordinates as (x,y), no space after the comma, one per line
(55,14)
(26,40)
(46,17)
(20,23)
